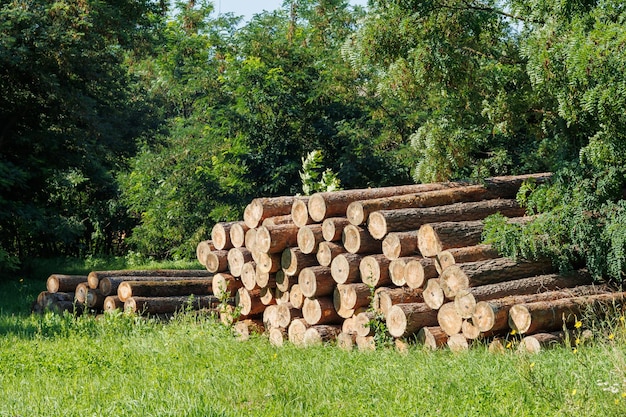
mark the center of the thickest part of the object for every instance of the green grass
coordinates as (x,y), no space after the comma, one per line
(52,365)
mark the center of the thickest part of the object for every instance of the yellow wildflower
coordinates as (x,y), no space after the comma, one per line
(611,336)
(574,391)
(513,332)
(578,324)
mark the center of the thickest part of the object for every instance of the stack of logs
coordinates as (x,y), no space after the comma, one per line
(329,266)
(154,292)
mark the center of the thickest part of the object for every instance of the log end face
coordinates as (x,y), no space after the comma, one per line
(484,317)
(396,321)
(300,213)
(520,319)
(52,284)
(427,241)
(377,225)
(414,274)
(311,311)
(355,213)
(317,207)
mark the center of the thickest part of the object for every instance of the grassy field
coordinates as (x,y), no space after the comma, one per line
(52,365)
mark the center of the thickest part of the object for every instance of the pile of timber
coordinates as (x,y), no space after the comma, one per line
(326,267)
(144,292)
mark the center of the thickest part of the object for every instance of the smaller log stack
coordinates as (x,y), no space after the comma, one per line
(144,292)
(322,268)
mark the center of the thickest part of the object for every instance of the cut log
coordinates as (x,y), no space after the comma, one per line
(112,303)
(237,258)
(449,320)
(225,285)
(418,271)
(472,274)
(357,240)
(249,302)
(465,303)
(396,271)
(277,220)
(365,343)
(165,305)
(293,260)
(220,235)
(285,314)
(348,326)
(552,315)
(284,281)
(346,341)
(388,297)
(332,228)
(268,263)
(296,331)
(250,240)
(432,337)
(439,194)
(238,234)
(345,268)
(362,324)
(216,261)
(128,289)
(99,276)
(260,209)
(277,336)
(275,239)
(296,298)
(320,311)
(248,275)
(309,237)
(95,299)
(269,316)
(64,283)
(265,279)
(267,296)
(109,285)
(536,342)
(46,299)
(385,221)
(320,334)
(399,244)
(374,270)
(404,320)
(348,297)
(327,251)
(80,293)
(316,281)
(461,255)
(282,297)
(469,330)
(245,328)
(202,248)
(457,343)
(433,294)
(300,212)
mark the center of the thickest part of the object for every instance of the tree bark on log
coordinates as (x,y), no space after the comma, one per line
(109,285)
(320,311)
(357,240)
(539,341)
(300,212)
(261,208)
(309,237)
(165,305)
(404,320)
(418,271)
(462,255)
(332,228)
(225,285)
(275,239)
(345,268)
(388,297)
(472,274)
(432,337)
(385,221)
(374,270)
(64,283)
(327,251)
(95,299)
(95,277)
(293,261)
(316,281)
(128,289)
(400,244)
(220,235)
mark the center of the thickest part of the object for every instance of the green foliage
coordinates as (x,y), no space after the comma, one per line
(313,178)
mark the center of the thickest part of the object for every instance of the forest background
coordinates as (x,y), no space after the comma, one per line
(130,127)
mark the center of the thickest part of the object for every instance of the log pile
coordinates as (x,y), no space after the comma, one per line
(407,257)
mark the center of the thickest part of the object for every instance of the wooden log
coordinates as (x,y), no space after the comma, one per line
(432,337)
(237,258)
(365,343)
(248,275)
(449,319)
(539,341)
(470,330)
(402,295)
(112,303)
(109,285)
(80,293)
(244,329)
(300,212)
(320,334)
(269,316)
(362,324)
(404,320)
(64,283)
(433,294)
(418,271)
(296,331)
(94,299)
(277,336)
(349,297)
(265,279)
(346,341)
(216,261)
(266,296)
(284,281)
(400,244)
(202,248)
(250,240)
(385,221)
(277,220)
(453,256)
(332,228)
(296,298)
(357,240)
(439,194)
(237,234)
(47,299)
(316,281)
(165,305)
(275,239)
(396,271)
(220,235)
(99,276)
(282,297)
(225,285)
(285,314)
(263,207)
(249,302)
(528,318)
(457,343)
(309,237)
(345,268)
(472,274)
(268,263)
(320,311)
(465,303)
(293,260)
(327,251)
(348,326)
(60,307)
(374,270)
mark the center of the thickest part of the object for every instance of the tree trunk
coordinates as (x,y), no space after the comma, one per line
(385,221)
(399,244)
(374,270)
(462,255)
(433,294)
(362,323)
(532,317)
(293,260)
(300,212)
(345,268)
(388,297)
(332,228)
(449,319)
(309,237)
(220,235)
(237,257)
(216,261)
(165,305)
(275,239)
(432,337)
(327,251)
(109,285)
(418,271)
(65,283)
(98,276)
(470,330)
(260,209)
(472,274)
(320,311)
(404,320)
(357,240)
(225,285)
(316,281)
(238,234)
(95,299)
